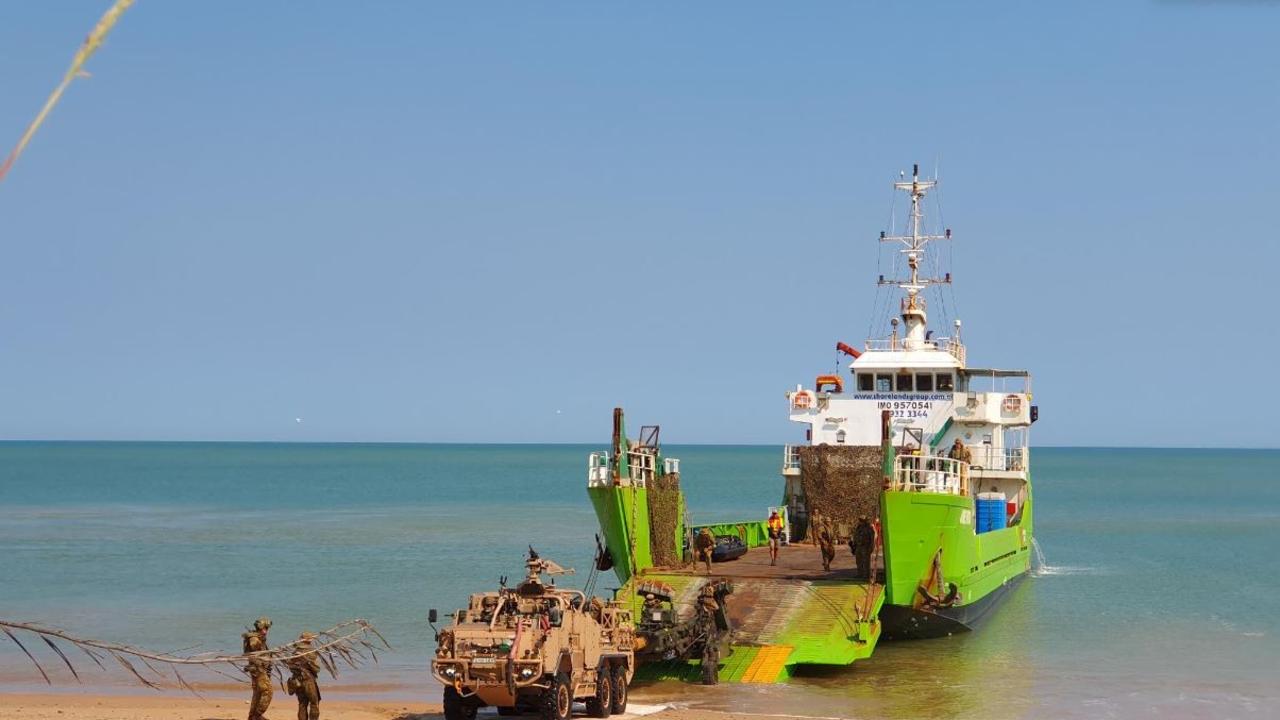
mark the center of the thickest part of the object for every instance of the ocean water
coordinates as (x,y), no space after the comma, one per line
(1158,596)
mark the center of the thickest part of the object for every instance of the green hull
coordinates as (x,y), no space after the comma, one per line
(930,544)
(939,575)
(623,513)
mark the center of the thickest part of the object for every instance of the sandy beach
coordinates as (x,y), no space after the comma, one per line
(186,707)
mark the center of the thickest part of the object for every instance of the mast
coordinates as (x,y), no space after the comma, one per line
(913,306)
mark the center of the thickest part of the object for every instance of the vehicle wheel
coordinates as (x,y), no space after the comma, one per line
(456,707)
(557,700)
(601,706)
(619,688)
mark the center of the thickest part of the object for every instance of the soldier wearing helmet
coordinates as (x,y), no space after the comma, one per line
(304,672)
(258,668)
(704,546)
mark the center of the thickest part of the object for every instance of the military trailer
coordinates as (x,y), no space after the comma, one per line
(535,648)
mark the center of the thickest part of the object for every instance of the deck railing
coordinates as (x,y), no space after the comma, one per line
(642,465)
(930,474)
(946,344)
(986,457)
(598,469)
(791,460)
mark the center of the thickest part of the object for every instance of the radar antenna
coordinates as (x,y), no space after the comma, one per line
(913,246)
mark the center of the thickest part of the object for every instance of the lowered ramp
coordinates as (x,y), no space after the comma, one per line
(783,616)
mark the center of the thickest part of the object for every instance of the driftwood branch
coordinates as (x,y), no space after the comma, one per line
(350,644)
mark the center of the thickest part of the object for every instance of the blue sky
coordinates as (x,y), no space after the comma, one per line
(465,222)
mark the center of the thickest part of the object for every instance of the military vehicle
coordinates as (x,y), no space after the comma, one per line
(664,635)
(535,648)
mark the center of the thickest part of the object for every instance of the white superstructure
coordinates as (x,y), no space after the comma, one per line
(923,382)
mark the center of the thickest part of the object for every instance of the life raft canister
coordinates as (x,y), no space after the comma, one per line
(1012,403)
(832,380)
(802,400)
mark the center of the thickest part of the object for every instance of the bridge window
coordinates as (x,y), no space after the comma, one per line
(904,383)
(924,382)
(944,383)
(884,383)
(866,382)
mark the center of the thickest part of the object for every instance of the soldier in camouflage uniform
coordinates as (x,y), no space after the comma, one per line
(303,674)
(863,543)
(706,609)
(827,543)
(703,546)
(259,669)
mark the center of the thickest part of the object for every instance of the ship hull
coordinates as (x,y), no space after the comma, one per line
(908,623)
(944,577)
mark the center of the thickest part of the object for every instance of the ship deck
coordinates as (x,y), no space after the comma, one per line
(795,562)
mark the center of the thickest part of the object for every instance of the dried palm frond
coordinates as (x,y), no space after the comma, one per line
(351,644)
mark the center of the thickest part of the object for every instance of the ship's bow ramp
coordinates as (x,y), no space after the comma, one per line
(780,623)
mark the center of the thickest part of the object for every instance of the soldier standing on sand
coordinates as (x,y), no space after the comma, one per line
(303,678)
(259,668)
(703,546)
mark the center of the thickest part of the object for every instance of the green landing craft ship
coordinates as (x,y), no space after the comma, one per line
(932,453)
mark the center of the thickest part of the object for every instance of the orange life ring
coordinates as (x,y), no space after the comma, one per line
(801,400)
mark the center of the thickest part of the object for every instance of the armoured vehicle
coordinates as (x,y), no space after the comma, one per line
(535,647)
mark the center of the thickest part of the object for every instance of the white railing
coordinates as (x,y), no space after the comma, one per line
(598,469)
(953,346)
(790,459)
(670,466)
(1003,459)
(930,474)
(946,344)
(640,466)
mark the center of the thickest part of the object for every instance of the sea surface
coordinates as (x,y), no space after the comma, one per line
(1158,595)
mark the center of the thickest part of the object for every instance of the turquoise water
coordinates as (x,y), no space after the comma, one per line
(1159,596)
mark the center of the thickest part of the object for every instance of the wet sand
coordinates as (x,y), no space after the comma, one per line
(186,707)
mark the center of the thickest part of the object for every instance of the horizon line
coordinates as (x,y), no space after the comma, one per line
(6,441)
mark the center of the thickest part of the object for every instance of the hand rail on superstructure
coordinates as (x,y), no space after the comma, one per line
(946,344)
(790,459)
(930,474)
(1008,459)
(598,469)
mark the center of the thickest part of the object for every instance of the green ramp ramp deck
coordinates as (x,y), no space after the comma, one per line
(782,616)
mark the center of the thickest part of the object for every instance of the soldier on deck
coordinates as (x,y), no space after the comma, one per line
(258,668)
(707,609)
(963,454)
(815,524)
(827,544)
(304,672)
(863,543)
(703,546)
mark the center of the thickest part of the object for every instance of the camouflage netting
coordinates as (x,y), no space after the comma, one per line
(664,518)
(842,483)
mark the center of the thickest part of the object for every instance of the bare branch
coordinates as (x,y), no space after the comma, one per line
(347,641)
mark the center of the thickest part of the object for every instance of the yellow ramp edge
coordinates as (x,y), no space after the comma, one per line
(768,664)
